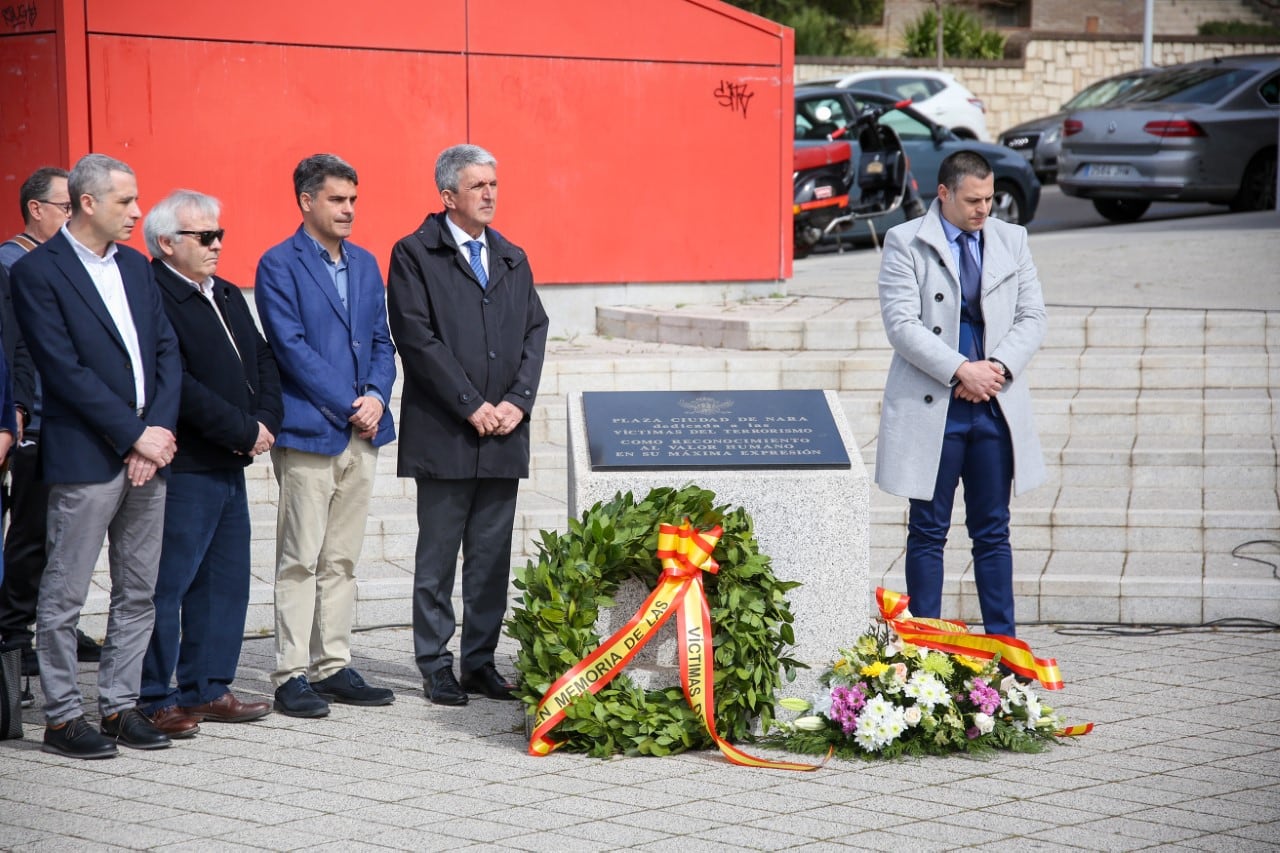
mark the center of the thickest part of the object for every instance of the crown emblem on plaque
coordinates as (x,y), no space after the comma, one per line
(706,405)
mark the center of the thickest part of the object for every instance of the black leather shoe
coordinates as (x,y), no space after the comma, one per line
(131,728)
(88,649)
(442,688)
(77,739)
(486,681)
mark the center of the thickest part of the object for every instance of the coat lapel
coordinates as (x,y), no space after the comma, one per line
(320,275)
(64,257)
(997,260)
(931,234)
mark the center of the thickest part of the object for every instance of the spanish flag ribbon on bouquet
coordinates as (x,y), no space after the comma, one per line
(954,638)
(685,554)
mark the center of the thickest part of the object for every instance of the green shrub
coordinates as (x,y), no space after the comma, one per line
(823,27)
(1238,28)
(962,36)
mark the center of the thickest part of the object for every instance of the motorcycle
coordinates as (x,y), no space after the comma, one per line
(825,176)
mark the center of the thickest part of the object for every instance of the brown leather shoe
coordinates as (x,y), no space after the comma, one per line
(228,709)
(173,722)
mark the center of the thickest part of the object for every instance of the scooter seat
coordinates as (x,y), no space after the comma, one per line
(814,156)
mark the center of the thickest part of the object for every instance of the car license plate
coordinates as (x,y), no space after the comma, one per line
(1107,170)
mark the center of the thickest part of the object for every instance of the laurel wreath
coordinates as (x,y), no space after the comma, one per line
(577,573)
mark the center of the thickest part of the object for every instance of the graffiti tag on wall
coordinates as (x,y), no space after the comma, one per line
(734,97)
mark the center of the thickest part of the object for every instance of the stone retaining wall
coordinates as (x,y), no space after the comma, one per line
(1050,72)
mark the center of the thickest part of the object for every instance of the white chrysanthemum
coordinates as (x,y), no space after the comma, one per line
(865,734)
(927,689)
(878,706)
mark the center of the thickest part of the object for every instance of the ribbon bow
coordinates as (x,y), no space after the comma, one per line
(954,638)
(685,554)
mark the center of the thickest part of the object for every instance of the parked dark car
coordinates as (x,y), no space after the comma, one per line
(1040,140)
(1203,132)
(926,144)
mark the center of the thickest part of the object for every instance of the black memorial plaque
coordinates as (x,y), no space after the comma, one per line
(704,430)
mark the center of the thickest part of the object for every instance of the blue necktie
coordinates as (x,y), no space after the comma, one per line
(971,306)
(473,248)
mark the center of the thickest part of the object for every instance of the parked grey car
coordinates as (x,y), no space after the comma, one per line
(1040,140)
(1204,131)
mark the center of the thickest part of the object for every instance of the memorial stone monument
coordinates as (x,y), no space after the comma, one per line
(787,457)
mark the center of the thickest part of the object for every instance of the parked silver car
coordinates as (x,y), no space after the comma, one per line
(1040,140)
(1204,131)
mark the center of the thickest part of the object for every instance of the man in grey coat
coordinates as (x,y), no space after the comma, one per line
(963,310)
(471,333)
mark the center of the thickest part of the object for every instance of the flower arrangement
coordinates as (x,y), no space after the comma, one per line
(884,697)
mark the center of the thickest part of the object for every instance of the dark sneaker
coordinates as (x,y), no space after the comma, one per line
(295,698)
(487,682)
(131,728)
(442,688)
(348,688)
(87,648)
(77,739)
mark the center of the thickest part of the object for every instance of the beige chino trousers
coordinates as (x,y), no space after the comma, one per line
(320,521)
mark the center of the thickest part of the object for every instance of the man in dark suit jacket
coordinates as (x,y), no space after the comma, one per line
(92,318)
(471,333)
(230,413)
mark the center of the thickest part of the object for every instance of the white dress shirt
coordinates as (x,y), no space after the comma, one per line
(106,278)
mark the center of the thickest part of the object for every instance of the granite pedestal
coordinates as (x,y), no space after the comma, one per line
(813,524)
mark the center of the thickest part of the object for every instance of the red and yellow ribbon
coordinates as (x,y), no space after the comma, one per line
(954,638)
(685,554)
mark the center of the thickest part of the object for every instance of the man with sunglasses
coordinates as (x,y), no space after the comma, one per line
(323,308)
(46,205)
(231,411)
(93,319)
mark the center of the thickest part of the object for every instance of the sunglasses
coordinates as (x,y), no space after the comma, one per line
(206,237)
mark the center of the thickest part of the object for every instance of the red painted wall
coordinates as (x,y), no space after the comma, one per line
(637,142)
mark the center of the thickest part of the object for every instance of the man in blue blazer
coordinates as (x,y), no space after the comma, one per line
(963,310)
(323,309)
(92,318)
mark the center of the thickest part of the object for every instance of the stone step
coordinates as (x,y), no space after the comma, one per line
(812,323)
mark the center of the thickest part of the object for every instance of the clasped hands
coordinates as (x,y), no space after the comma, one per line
(978,381)
(366,417)
(496,420)
(153,450)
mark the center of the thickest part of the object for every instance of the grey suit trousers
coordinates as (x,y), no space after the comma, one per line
(477,515)
(81,515)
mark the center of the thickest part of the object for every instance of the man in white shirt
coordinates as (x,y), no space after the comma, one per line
(93,320)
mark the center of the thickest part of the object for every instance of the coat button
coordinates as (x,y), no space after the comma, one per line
(928,398)
(528,393)
(485,300)
(466,398)
(492,354)
(937,330)
(937,297)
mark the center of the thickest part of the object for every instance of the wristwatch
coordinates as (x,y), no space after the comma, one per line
(1004,368)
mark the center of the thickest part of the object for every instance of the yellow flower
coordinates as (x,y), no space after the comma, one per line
(970,663)
(872,670)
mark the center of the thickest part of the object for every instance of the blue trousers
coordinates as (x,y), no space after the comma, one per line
(202,590)
(977,450)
